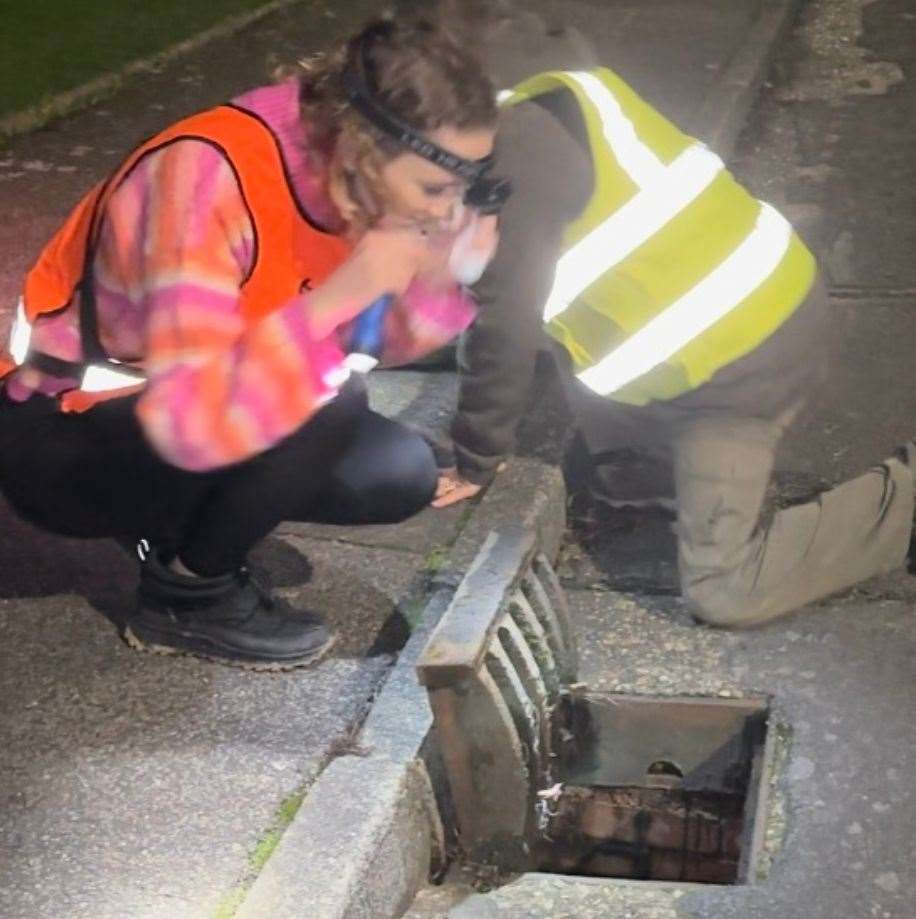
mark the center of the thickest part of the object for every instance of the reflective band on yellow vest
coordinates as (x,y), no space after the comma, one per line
(672,270)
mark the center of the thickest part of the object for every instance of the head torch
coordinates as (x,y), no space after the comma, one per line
(488,194)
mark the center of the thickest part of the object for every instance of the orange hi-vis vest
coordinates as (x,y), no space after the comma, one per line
(292,254)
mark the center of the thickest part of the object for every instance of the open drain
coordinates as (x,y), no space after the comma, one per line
(653,788)
(544,775)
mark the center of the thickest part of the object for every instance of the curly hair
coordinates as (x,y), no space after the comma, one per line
(416,69)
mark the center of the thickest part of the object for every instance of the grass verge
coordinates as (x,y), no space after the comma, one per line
(51,46)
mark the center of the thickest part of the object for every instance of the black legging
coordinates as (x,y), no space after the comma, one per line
(94,475)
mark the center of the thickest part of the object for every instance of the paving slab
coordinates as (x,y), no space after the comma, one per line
(371,596)
(420,397)
(698,41)
(135,785)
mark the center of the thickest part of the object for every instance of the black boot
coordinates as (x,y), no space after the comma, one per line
(231,618)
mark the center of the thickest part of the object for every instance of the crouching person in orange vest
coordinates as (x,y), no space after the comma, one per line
(180,376)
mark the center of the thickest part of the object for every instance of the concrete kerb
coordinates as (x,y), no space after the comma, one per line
(364,840)
(724,111)
(72,99)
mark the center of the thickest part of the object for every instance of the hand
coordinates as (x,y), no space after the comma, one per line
(474,248)
(391,256)
(384,261)
(486,235)
(434,271)
(452,488)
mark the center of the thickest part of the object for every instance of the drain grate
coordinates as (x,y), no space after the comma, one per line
(494,668)
(545,775)
(646,834)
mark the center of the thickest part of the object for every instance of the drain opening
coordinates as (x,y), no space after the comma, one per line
(540,774)
(655,789)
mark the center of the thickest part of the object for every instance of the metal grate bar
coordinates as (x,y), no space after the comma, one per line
(495,667)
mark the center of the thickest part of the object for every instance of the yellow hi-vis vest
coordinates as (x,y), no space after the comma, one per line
(672,270)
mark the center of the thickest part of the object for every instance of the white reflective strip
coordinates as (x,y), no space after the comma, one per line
(336,377)
(100,378)
(715,296)
(636,158)
(361,363)
(20,334)
(631,225)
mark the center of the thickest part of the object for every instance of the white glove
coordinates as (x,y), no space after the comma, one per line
(473,249)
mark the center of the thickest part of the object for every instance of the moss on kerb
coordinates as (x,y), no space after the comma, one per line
(435,559)
(231,903)
(263,849)
(776,817)
(265,846)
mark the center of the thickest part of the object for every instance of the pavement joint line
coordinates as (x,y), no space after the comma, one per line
(71,100)
(394,759)
(406,550)
(271,835)
(847,293)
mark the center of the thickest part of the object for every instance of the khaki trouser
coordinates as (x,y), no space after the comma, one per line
(735,572)
(735,569)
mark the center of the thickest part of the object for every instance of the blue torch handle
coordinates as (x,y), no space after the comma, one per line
(368,327)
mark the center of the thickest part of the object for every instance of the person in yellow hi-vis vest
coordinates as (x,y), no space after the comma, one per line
(689,316)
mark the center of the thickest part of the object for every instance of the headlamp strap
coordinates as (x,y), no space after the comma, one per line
(369,106)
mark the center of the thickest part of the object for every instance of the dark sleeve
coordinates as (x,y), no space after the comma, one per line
(551,179)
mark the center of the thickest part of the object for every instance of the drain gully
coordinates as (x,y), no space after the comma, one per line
(545,775)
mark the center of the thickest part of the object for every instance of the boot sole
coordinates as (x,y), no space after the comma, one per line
(205,650)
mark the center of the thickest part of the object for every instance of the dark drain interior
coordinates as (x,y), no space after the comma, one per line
(662,789)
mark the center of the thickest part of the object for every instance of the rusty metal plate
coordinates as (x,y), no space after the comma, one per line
(458,646)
